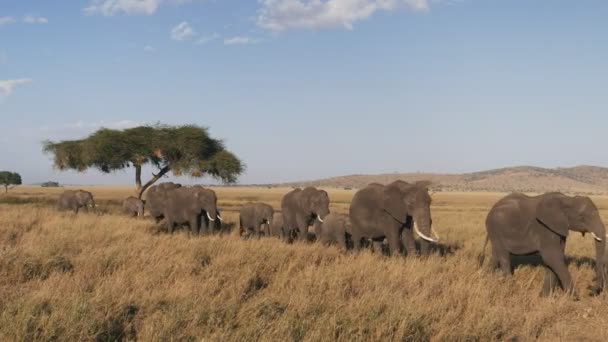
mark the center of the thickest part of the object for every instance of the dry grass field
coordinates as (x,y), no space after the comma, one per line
(104,277)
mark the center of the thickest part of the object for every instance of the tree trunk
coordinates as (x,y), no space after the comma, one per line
(138,177)
(156,177)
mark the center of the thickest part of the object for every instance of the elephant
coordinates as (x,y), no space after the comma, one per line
(75,200)
(276,228)
(156,198)
(520,225)
(300,208)
(194,205)
(133,206)
(336,228)
(253,218)
(393,211)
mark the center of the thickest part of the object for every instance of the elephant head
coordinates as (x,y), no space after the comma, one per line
(207,201)
(314,203)
(560,213)
(403,200)
(85,199)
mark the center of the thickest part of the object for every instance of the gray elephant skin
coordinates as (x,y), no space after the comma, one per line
(196,206)
(300,208)
(133,206)
(156,199)
(393,211)
(276,228)
(336,228)
(520,225)
(254,217)
(76,200)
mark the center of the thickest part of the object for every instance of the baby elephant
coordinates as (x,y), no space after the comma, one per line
(76,200)
(336,228)
(133,206)
(253,216)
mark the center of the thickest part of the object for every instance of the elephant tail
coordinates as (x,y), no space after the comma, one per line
(482,256)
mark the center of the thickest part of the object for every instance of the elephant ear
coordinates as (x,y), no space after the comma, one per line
(393,204)
(551,214)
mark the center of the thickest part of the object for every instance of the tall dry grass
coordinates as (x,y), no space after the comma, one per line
(105,277)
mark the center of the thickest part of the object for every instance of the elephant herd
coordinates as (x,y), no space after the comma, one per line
(516,225)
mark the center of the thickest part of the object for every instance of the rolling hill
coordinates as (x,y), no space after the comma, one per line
(580,179)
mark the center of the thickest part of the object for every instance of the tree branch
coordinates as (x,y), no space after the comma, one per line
(156,177)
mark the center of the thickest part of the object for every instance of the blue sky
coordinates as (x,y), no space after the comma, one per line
(302,89)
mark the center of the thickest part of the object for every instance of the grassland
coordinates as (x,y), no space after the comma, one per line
(106,277)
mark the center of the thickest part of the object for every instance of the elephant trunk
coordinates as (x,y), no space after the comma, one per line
(423,227)
(599,233)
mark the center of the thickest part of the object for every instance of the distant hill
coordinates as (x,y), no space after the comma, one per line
(579,179)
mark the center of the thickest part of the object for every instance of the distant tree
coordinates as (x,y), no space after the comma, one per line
(8,178)
(181,149)
(50,184)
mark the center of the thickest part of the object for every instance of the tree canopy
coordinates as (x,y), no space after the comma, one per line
(8,178)
(187,149)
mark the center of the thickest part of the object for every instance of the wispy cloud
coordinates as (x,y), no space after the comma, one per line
(82,125)
(149,48)
(182,31)
(6,21)
(283,15)
(8,86)
(240,40)
(207,39)
(30,19)
(131,7)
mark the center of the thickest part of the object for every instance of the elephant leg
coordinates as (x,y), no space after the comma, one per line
(194,226)
(169,223)
(377,247)
(501,258)
(258,231)
(394,242)
(341,238)
(204,228)
(550,282)
(302,228)
(425,247)
(408,241)
(554,259)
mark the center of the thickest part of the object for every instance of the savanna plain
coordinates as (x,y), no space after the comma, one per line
(102,276)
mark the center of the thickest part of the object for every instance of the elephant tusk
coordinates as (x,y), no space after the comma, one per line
(219,217)
(209,216)
(597,238)
(424,236)
(319,218)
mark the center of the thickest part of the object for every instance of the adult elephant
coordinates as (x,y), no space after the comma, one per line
(133,206)
(519,224)
(254,216)
(300,208)
(156,198)
(394,212)
(196,206)
(76,200)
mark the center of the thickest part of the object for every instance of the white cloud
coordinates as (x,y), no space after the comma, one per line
(131,7)
(183,31)
(30,19)
(8,86)
(208,39)
(81,125)
(149,48)
(6,21)
(240,40)
(282,15)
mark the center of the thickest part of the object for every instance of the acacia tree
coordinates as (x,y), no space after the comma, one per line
(180,149)
(8,178)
